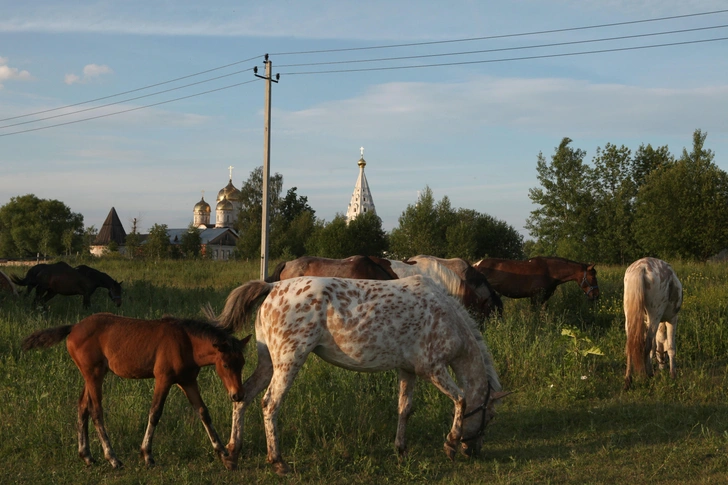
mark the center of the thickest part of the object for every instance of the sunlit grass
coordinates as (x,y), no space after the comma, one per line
(568,421)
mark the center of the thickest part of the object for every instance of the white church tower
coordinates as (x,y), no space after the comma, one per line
(361,199)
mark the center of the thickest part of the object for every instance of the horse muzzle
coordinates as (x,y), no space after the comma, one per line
(236,396)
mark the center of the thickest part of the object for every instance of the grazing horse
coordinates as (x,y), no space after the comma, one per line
(487,300)
(408,324)
(6,285)
(447,279)
(538,277)
(59,278)
(170,350)
(651,290)
(358,267)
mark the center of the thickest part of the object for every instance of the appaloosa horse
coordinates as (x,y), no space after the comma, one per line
(170,350)
(357,267)
(651,290)
(59,278)
(408,324)
(538,277)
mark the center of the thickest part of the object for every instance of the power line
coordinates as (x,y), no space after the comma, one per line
(502,36)
(123,100)
(127,110)
(545,56)
(131,90)
(503,49)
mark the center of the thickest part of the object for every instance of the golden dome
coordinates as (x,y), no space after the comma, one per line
(229,192)
(202,206)
(225,204)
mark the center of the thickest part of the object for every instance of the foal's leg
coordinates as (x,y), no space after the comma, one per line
(441,378)
(671,326)
(406,389)
(660,349)
(253,386)
(82,425)
(161,390)
(192,391)
(93,387)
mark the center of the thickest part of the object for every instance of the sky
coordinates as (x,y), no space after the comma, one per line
(142,105)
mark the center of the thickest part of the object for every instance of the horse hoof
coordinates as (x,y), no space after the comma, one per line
(88,459)
(450,451)
(281,468)
(116,464)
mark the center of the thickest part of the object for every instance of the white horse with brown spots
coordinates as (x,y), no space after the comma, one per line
(652,299)
(408,324)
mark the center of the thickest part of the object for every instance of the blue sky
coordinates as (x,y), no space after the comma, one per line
(470,131)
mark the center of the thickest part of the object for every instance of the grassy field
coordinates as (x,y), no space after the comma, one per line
(569,421)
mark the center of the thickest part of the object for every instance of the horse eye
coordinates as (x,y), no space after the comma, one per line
(225,366)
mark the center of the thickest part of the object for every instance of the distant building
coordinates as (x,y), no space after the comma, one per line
(217,242)
(111,230)
(361,199)
(227,206)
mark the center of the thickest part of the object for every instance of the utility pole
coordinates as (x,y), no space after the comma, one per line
(266,165)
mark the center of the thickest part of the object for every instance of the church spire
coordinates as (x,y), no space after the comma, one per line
(361,199)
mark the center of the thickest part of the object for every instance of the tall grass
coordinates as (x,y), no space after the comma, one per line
(568,420)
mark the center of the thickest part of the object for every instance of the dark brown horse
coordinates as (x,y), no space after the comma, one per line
(357,267)
(538,277)
(59,278)
(484,300)
(170,350)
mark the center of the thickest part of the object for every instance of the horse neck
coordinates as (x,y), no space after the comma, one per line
(566,270)
(473,370)
(203,351)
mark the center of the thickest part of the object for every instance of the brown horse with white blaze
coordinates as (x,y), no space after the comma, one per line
(170,350)
(651,290)
(537,278)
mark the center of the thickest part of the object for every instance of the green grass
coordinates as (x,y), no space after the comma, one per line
(568,421)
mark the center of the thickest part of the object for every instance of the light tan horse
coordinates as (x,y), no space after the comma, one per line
(407,324)
(652,299)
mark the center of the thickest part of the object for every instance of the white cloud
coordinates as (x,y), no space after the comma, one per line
(90,72)
(8,73)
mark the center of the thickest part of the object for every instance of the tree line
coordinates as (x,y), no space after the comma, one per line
(626,205)
(619,208)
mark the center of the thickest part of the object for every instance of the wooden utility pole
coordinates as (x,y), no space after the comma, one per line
(266,165)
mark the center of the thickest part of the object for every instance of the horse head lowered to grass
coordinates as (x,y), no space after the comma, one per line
(408,324)
(170,350)
(59,278)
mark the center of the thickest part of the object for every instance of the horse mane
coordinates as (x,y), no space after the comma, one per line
(200,328)
(443,275)
(99,277)
(472,325)
(560,259)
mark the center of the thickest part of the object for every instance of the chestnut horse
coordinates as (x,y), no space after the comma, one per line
(487,300)
(59,278)
(169,350)
(358,267)
(408,324)
(538,277)
(651,290)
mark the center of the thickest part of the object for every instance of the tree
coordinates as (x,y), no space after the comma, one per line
(157,243)
(329,240)
(681,208)
(423,227)
(613,190)
(475,236)
(29,225)
(251,214)
(191,242)
(366,236)
(564,222)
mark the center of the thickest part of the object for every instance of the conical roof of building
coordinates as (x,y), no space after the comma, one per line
(361,198)
(112,230)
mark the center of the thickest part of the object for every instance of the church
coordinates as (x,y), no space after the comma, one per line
(361,200)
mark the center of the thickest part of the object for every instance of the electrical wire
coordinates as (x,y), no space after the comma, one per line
(502,36)
(131,90)
(504,49)
(128,110)
(545,56)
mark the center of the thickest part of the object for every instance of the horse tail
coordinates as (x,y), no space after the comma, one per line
(240,302)
(47,337)
(276,275)
(634,312)
(18,280)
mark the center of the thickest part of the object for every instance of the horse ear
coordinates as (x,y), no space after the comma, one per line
(121,283)
(590,267)
(245,340)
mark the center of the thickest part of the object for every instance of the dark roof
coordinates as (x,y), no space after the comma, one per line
(112,230)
